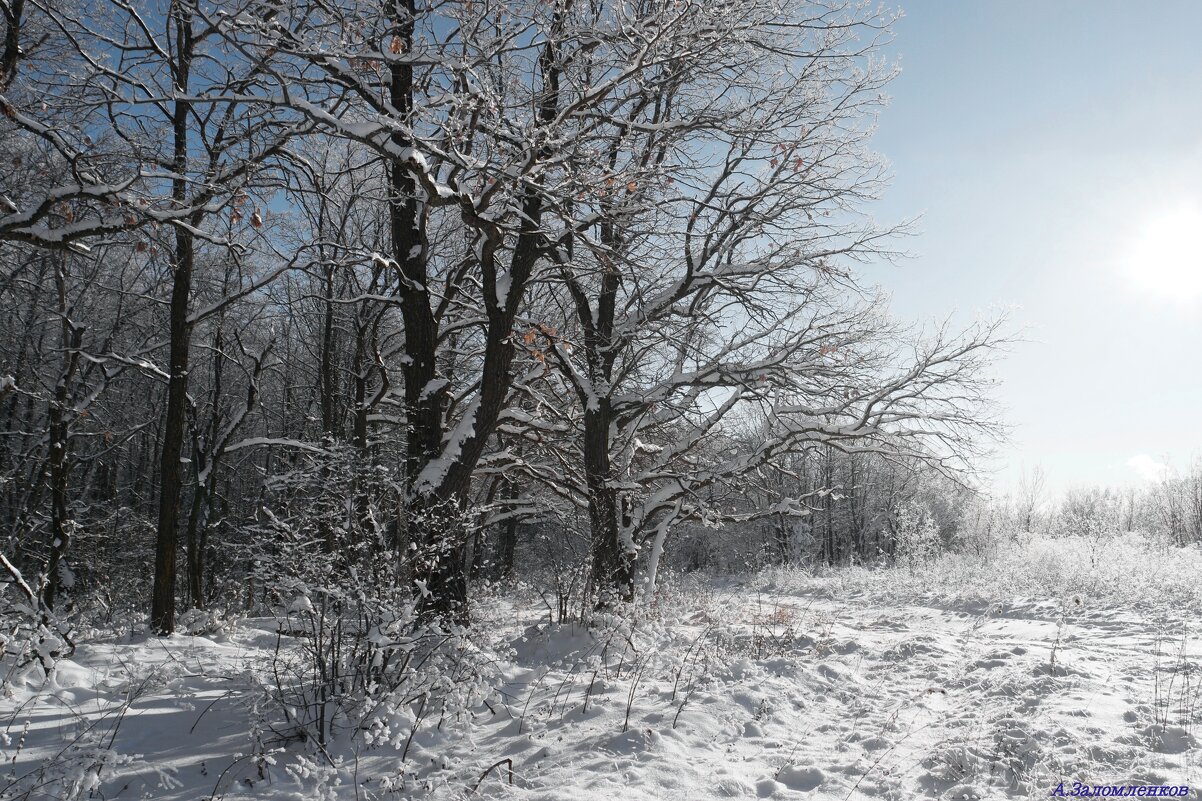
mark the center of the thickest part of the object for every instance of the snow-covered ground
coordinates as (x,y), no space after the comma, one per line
(854,685)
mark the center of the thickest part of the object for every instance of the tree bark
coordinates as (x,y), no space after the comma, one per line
(61,524)
(162,614)
(327,374)
(612,564)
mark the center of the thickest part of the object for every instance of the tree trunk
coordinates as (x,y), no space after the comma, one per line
(195,550)
(162,613)
(170,468)
(613,565)
(327,375)
(506,548)
(60,414)
(436,496)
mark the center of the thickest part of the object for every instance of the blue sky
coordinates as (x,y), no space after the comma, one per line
(1054,151)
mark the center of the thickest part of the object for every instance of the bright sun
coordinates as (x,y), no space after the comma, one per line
(1164,257)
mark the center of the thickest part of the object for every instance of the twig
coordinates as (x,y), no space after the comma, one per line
(499,763)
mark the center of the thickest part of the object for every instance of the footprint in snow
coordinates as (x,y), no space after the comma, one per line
(798,778)
(988,664)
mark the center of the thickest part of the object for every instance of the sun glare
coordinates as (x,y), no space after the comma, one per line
(1164,256)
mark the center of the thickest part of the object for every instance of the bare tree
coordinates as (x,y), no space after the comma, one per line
(1031,489)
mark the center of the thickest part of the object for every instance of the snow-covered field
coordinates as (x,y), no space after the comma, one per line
(902,683)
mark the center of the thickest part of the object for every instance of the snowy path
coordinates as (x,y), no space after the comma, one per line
(772,695)
(838,700)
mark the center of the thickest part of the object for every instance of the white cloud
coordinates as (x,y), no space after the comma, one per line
(1148,468)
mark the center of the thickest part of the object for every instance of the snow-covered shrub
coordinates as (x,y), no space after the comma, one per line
(30,645)
(320,778)
(1093,515)
(77,773)
(355,661)
(985,525)
(356,658)
(1126,569)
(917,536)
(1088,512)
(205,622)
(32,636)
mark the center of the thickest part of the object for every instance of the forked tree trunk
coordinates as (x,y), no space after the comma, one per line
(437,494)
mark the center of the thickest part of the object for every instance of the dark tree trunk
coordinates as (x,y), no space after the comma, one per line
(60,445)
(171,475)
(783,538)
(195,550)
(506,548)
(829,507)
(328,376)
(613,561)
(507,533)
(437,499)
(171,471)
(10,54)
(436,496)
(202,454)
(612,565)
